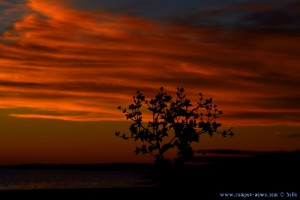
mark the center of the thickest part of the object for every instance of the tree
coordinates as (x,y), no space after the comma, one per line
(175,123)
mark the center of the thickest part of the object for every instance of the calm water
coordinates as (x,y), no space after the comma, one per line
(28,179)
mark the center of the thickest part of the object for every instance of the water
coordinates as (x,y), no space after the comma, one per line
(30,179)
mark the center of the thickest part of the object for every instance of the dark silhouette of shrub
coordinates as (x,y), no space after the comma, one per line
(175,123)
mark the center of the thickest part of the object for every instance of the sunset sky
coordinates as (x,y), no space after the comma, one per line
(66,65)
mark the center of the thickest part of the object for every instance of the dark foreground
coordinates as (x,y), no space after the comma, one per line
(263,176)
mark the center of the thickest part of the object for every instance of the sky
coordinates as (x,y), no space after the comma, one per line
(66,65)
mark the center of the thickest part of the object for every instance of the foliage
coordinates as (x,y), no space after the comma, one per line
(175,123)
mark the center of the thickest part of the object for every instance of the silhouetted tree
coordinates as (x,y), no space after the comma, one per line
(175,123)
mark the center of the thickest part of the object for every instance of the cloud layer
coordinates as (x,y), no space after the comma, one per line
(71,64)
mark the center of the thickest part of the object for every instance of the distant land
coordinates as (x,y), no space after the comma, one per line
(100,166)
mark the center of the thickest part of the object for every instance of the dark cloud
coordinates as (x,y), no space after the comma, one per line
(292,135)
(267,16)
(20,84)
(10,11)
(274,20)
(292,117)
(289,103)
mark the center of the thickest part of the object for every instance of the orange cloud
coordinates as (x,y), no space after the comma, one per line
(82,65)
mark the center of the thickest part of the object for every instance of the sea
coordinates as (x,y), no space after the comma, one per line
(35,179)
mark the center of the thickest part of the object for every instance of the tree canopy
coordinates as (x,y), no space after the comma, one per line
(174,123)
